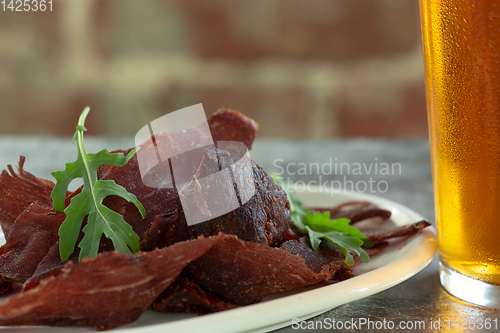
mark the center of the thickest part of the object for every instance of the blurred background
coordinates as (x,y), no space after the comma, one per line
(300,68)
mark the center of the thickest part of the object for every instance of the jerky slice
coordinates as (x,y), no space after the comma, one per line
(356,211)
(5,285)
(265,218)
(327,258)
(32,236)
(245,272)
(229,125)
(18,191)
(183,295)
(380,235)
(104,292)
(97,292)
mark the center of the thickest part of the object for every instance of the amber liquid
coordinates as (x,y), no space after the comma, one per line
(461,40)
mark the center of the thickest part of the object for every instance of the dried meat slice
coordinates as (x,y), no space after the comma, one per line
(245,272)
(381,235)
(229,125)
(234,270)
(18,191)
(100,289)
(33,235)
(51,264)
(186,296)
(265,218)
(183,295)
(5,285)
(165,231)
(327,258)
(104,292)
(356,211)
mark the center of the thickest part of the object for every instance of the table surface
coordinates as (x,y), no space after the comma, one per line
(420,298)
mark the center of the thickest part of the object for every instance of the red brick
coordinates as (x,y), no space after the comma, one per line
(141,27)
(302,29)
(228,30)
(403,115)
(42,113)
(279,112)
(48,29)
(44,29)
(104,27)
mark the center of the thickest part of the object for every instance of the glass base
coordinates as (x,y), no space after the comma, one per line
(469,289)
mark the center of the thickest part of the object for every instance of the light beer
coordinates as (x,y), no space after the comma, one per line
(461,40)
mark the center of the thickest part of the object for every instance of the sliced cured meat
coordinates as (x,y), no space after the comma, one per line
(327,258)
(51,264)
(5,286)
(183,295)
(18,191)
(126,284)
(238,271)
(245,272)
(264,219)
(33,235)
(381,235)
(356,211)
(163,232)
(229,125)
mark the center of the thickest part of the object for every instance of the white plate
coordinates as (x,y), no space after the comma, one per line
(398,262)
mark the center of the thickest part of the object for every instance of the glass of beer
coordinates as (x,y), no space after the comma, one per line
(461,44)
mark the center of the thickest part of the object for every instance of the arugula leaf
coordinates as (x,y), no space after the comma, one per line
(101,220)
(319,226)
(342,241)
(322,223)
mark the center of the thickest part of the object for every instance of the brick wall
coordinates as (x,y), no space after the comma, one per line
(301,68)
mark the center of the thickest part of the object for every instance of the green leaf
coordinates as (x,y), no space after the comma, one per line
(319,226)
(342,241)
(101,220)
(321,222)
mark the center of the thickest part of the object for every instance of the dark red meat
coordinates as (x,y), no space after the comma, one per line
(33,235)
(18,191)
(5,285)
(104,292)
(381,235)
(356,211)
(245,272)
(327,258)
(183,295)
(229,125)
(242,272)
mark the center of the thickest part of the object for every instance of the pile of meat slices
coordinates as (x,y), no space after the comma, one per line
(230,261)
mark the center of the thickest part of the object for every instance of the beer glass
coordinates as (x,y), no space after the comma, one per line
(461,43)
